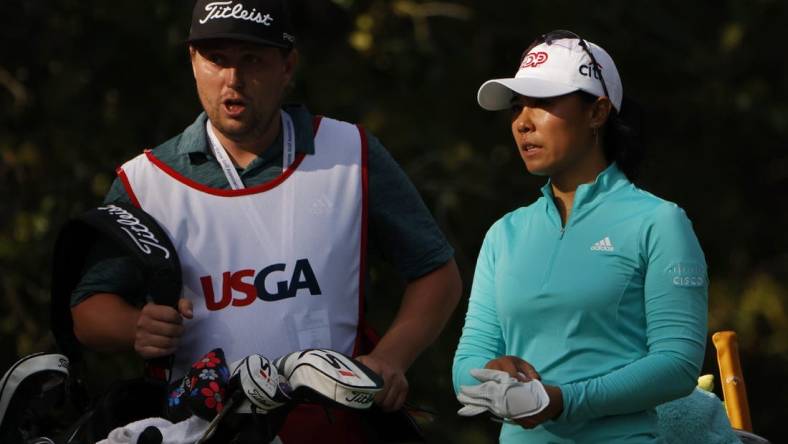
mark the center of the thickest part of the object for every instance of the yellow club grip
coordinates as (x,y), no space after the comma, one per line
(732,379)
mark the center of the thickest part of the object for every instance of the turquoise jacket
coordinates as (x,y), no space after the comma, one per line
(610,308)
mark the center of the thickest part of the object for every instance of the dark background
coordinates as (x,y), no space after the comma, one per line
(86,84)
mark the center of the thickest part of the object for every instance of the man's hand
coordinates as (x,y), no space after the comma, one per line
(159,328)
(427,303)
(515,367)
(395,384)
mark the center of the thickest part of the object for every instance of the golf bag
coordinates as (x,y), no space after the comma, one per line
(44,399)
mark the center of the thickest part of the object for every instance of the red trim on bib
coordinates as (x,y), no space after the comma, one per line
(221,191)
(361,346)
(127,185)
(316,124)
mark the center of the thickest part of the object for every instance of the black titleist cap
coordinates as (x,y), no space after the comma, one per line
(259,21)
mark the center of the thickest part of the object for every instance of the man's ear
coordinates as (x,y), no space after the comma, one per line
(192,55)
(291,62)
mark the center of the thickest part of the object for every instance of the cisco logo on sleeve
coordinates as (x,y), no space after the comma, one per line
(687,275)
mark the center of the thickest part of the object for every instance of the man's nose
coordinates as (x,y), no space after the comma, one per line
(234,76)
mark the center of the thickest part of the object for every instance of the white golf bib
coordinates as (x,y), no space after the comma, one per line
(272,268)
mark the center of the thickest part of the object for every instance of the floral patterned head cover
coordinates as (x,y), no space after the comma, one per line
(203,390)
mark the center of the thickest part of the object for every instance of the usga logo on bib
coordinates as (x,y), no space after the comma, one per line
(273,283)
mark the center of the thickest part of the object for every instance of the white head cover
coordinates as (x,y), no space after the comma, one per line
(555,69)
(260,382)
(24,368)
(331,375)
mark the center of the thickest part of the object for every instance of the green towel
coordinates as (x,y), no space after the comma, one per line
(698,418)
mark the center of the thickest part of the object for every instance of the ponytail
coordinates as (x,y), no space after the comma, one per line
(622,143)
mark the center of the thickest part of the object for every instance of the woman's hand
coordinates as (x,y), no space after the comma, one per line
(523,371)
(553,410)
(515,367)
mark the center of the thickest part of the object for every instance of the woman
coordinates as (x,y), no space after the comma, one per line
(598,288)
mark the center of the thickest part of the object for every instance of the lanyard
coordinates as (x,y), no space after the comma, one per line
(288,151)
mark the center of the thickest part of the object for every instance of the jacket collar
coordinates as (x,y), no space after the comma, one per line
(589,195)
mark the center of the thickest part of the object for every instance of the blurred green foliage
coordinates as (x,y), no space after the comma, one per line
(86,84)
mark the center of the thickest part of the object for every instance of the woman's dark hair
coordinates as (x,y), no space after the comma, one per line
(621,136)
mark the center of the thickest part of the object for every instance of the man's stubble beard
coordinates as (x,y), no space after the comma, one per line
(250,129)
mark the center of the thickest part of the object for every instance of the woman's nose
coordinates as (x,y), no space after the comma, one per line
(522,120)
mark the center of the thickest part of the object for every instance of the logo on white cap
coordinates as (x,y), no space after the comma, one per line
(220,10)
(534,59)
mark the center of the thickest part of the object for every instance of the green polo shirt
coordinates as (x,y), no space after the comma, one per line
(401,229)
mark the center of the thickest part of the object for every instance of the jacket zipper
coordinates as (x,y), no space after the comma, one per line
(549,272)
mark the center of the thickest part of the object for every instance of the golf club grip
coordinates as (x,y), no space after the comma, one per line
(733,387)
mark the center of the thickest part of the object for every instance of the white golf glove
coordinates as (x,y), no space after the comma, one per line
(502,395)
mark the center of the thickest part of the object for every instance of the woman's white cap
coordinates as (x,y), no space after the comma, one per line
(555,69)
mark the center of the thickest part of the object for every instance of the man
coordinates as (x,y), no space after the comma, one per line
(272,212)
